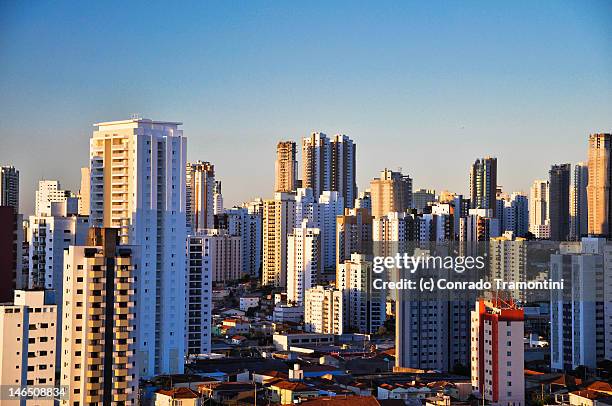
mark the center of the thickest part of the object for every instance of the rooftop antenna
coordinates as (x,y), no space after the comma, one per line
(136,116)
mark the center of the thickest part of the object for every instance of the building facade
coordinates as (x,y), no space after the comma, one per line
(27,353)
(200,181)
(285,167)
(98,362)
(497,353)
(138,185)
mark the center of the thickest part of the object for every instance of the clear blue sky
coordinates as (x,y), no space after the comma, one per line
(426,87)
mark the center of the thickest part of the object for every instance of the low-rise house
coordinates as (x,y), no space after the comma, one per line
(289,392)
(226,392)
(342,401)
(246,302)
(177,396)
(587,397)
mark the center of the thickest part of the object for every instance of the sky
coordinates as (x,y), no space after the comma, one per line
(423,86)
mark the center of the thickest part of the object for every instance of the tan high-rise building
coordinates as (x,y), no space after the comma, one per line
(200,184)
(392,192)
(316,163)
(323,309)
(27,345)
(353,233)
(98,362)
(84,192)
(285,167)
(598,189)
(538,209)
(278,222)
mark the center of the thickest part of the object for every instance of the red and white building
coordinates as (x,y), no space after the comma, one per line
(497,352)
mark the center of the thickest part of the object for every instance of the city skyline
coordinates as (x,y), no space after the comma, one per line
(525,83)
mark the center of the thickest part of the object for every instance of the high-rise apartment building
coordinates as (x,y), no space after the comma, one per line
(304,261)
(218,199)
(138,185)
(508,262)
(498,364)
(9,187)
(577,318)
(599,188)
(200,182)
(27,345)
(516,214)
(353,233)
(421,198)
(11,253)
(323,309)
(278,222)
(247,225)
(392,192)
(98,362)
(364,200)
(432,328)
(539,223)
(343,168)
(363,305)
(198,310)
(558,202)
(84,192)
(316,163)
(285,167)
(483,184)
(49,191)
(223,252)
(579,211)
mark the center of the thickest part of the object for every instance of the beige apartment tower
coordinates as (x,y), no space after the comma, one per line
(392,192)
(285,167)
(278,222)
(98,362)
(598,188)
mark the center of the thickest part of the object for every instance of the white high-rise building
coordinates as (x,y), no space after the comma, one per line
(498,364)
(98,363)
(394,227)
(28,345)
(246,225)
(323,310)
(363,306)
(48,236)
(218,199)
(138,185)
(539,223)
(49,192)
(577,313)
(304,263)
(198,309)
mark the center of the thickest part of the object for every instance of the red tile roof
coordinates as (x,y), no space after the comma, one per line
(179,393)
